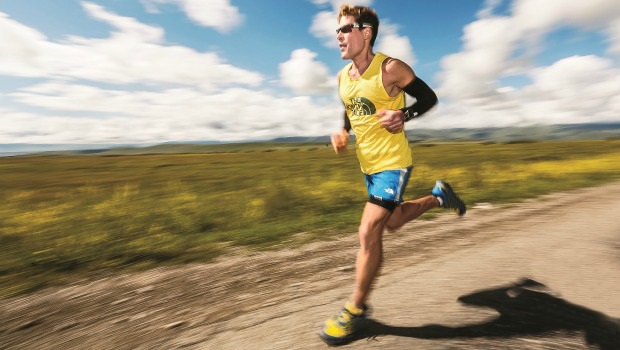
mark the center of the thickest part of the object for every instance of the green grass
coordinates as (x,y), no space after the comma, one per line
(68,217)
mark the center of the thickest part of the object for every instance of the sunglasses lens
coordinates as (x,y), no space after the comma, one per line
(345,29)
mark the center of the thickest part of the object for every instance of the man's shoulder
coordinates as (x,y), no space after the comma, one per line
(391,64)
(344,70)
(395,68)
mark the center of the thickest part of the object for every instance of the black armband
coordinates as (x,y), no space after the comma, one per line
(425,99)
(347,122)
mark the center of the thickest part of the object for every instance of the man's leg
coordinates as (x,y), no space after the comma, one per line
(339,329)
(370,254)
(411,210)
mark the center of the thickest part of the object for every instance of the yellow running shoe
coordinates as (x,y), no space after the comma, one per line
(340,329)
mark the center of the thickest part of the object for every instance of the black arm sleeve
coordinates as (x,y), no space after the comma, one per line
(347,122)
(425,99)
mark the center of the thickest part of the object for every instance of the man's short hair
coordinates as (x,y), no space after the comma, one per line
(362,15)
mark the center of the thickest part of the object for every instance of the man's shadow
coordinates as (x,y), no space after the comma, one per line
(525,308)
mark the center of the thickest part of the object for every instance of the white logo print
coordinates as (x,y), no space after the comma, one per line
(389,191)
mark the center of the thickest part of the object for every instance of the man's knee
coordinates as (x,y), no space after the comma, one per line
(395,221)
(394,225)
(370,235)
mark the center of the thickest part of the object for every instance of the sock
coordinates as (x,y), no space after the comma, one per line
(440,200)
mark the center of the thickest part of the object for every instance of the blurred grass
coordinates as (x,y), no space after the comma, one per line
(68,217)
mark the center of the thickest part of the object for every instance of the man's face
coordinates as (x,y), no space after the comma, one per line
(351,43)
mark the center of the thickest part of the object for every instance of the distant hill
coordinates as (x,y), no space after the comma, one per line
(595,131)
(533,133)
(10,149)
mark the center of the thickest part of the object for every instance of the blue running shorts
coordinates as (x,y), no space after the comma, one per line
(386,188)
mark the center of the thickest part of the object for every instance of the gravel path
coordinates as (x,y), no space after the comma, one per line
(542,274)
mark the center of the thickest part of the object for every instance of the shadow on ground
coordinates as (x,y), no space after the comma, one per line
(526,308)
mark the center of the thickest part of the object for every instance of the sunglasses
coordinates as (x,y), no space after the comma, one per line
(348,28)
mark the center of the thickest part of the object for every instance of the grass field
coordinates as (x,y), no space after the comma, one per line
(69,217)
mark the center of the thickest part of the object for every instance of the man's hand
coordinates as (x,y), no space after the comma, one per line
(340,140)
(392,121)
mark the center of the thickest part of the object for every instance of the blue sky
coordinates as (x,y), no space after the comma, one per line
(151,71)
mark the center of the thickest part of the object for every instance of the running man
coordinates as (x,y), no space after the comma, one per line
(372,87)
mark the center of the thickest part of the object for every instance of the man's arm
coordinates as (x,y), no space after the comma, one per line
(425,99)
(398,76)
(347,122)
(340,140)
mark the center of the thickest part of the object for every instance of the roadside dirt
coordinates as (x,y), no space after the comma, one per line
(543,274)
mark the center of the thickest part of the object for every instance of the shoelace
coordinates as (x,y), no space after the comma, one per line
(344,317)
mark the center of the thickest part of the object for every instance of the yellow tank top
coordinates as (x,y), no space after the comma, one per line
(377,149)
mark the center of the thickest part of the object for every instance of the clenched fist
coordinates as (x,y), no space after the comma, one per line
(392,121)
(340,140)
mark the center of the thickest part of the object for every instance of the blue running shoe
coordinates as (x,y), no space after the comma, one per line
(449,198)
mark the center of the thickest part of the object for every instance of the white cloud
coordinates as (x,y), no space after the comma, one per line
(533,15)
(324,28)
(150,6)
(128,28)
(394,45)
(186,95)
(324,23)
(613,35)
(20,49)
(305,75)
(388,41)
(574,89)
(133,87)
(217,14)
(488,44)
(337,3)
(181,114)
(488,8)
(134,53)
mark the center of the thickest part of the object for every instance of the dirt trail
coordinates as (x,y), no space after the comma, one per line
(567,244)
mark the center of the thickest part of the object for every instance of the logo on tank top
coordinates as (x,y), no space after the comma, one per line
(361,106)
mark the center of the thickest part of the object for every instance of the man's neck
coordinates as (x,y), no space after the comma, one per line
(362,62)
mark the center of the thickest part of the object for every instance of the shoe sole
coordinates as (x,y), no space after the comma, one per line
(333,341)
